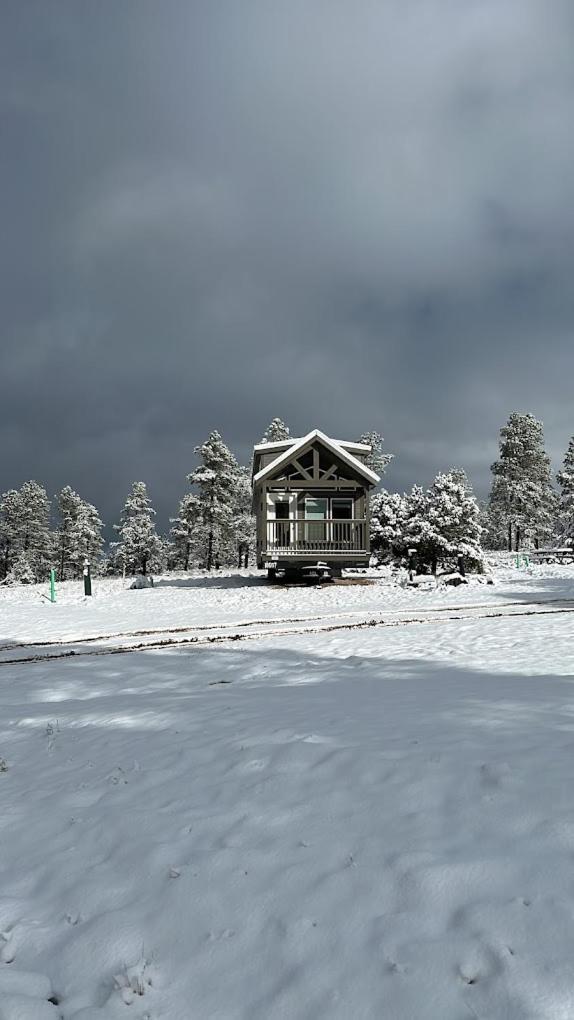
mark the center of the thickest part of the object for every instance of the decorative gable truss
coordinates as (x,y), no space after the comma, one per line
(312,467)
(316,461)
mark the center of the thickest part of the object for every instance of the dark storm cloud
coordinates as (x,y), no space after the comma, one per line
(351,216)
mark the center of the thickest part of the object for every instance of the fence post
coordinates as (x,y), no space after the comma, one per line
(52,585)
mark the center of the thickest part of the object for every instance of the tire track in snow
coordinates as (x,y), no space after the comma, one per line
(60,642)
(456,615)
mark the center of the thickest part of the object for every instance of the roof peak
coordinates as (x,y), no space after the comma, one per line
(286,448)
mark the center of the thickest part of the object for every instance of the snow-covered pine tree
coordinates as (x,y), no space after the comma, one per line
(459,475)
(215,480)
(159,557)
(25,530)
(68,509)
(565,478)
(36,536)
(243,519)
(417,531)
(78,535)
(377,461)
(37,539)
(112,562)
(89,538)
(22,570)
(454,516)
(11,522)
(522,500)
(443,523)
(139,542)
(275,432)
(388,516)
(186,530)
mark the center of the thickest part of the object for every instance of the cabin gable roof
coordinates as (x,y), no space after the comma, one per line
(298,446)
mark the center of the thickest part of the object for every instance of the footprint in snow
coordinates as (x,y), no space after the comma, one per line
(493,776)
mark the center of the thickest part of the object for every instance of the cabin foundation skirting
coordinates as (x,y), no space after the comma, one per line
(341,562)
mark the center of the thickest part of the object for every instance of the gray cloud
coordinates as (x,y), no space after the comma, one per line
(215,213)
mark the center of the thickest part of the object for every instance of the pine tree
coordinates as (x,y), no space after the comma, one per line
(275,432)
(186,529)
(79,533)
(522,500)
(22,570)
(139,542)
(377,461)
(388,516)
(565,478)
(68,509)
(11,524)
(36,537)
(25,530)
(243,519)
(215,480)
(443,523)
(417,532)
(454,515)
(89,539)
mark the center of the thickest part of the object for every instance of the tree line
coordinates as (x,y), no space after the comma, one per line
(214,524)
(445,523)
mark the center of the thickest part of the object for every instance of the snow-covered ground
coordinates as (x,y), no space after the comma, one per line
(362,809)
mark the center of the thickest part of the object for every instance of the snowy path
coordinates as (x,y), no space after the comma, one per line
(115,643)
(370,823)
(26,615)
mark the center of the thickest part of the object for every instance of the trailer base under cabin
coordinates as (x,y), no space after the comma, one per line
(312,573)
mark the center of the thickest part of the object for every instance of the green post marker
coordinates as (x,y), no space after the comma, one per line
(52,585)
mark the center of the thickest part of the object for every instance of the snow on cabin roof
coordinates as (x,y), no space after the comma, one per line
(282,444)
(287,448)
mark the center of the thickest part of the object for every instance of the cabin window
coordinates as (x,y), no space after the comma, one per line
(342,509)
(315,509)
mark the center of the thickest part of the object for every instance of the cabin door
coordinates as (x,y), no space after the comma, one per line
(316,517)
(342,527)
(281,514)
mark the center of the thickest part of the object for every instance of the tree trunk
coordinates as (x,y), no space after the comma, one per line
(62,561)
(246,561)
(6,557)
(240,555)
(187,552)
(517,537)
(210,539)
(144,565)
(434,565)
(510,536)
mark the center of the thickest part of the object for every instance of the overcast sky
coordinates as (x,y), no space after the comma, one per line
(351,215)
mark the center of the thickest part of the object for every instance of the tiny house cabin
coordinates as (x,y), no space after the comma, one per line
(311,500)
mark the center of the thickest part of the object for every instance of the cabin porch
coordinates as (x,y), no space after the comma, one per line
(315,524)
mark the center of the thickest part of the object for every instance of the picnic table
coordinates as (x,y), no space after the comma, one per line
(564,555)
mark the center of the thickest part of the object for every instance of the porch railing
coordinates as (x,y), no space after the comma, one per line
(317,536)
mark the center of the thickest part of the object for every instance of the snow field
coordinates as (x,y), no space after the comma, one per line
(372,823)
